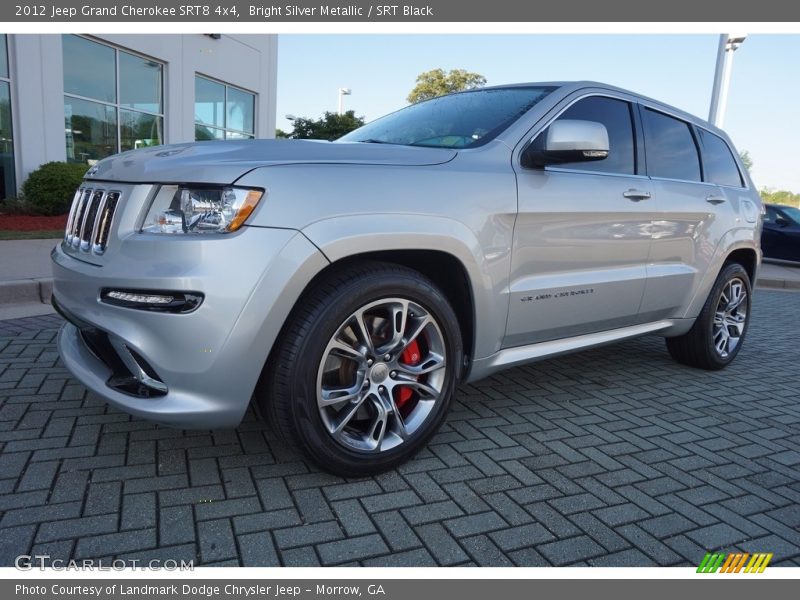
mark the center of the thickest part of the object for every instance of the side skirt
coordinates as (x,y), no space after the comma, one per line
(511,357)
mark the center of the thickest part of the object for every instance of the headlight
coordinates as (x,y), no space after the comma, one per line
(181,209)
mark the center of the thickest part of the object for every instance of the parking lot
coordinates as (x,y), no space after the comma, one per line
(613,457)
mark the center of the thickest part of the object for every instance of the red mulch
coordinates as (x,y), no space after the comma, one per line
(31,223)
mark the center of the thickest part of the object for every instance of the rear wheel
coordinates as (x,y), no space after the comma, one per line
(717,335)
(365,371)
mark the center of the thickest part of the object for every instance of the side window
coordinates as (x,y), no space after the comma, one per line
(616,116)
(720,166)
(770,214)
(671,149)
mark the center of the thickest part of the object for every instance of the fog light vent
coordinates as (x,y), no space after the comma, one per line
(158,301)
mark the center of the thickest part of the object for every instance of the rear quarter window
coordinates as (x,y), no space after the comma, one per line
(718,162)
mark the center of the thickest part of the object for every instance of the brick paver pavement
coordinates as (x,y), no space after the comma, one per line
(615,456)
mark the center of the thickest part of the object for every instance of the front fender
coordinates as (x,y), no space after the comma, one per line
(487,269)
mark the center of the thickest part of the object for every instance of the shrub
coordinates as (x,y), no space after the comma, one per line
(15,206)
(50,188)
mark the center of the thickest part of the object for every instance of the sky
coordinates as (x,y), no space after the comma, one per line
(763,114)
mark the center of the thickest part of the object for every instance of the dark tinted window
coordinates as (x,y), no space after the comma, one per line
(463,120)
(791,213)
(718,162)
(616,116)
(770,214)
(671,150)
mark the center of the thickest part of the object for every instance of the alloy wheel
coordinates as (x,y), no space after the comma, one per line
(730,317)
(381,375)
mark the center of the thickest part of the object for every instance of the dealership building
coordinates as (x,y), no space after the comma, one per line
(81,98)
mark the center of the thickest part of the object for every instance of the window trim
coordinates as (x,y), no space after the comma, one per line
(639,157)
(116,105)
(225,129)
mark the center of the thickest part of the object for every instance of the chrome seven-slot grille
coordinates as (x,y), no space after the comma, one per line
(90,217)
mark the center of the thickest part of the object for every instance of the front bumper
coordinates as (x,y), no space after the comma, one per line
(209,360)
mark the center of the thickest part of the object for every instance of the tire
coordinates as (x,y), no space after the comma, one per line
(364,370)
(719,331)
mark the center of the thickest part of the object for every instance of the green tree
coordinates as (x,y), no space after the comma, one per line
(780,197)
(330,127)
(436,82)
(747,161)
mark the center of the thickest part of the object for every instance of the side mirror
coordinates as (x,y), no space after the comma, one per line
(567,141)
(781,221)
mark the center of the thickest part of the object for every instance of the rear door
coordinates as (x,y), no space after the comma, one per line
(582,235)
(693,214)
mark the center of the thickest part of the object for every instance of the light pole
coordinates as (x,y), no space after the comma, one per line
(342,93)
(728,44)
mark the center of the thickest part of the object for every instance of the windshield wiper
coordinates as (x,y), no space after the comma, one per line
(375,141)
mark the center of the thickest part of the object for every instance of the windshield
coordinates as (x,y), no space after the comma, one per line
(793,213)
(463,120)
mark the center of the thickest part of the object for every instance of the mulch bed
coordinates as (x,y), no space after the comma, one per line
(32,223)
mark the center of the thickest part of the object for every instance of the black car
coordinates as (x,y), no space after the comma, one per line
(781,235)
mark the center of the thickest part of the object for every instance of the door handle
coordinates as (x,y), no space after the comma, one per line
(713,199)
(636,195)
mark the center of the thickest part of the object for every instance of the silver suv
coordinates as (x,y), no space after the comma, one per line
(348,287)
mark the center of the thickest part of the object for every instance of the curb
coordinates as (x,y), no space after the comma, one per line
(778,284)
(26,290)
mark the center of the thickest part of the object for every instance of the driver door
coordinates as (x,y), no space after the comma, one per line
(582,236)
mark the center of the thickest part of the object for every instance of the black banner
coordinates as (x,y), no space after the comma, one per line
(730,588)
(433,11)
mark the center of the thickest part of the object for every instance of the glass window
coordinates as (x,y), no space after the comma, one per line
(671,149)
(139,130)
(718,162)
(204,133)
(616,116)
(462,120)
(235,135)
(3,56)
(240,110)
(791,214)
(91,129)
(89,69)
(209,102)
(8,186)
(222,111)
(97,123)
(140,83)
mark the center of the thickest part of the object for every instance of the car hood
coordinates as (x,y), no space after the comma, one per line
(223,162)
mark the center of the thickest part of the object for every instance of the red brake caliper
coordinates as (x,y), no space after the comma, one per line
(411,356)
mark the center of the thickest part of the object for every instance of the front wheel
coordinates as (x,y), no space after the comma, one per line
(717,335)
(365,370)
